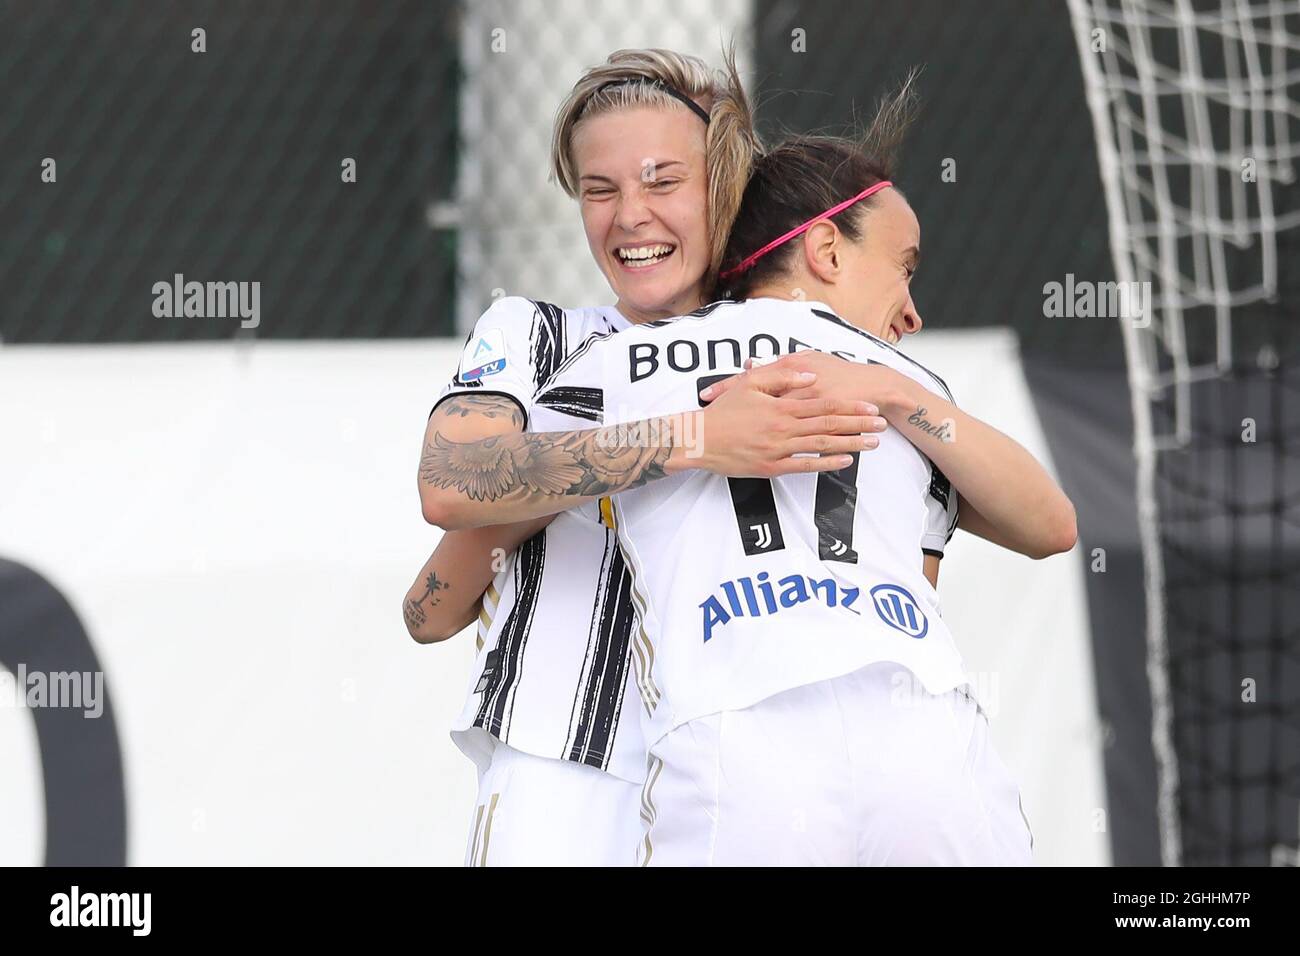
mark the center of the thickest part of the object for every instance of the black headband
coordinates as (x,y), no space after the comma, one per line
(696,108)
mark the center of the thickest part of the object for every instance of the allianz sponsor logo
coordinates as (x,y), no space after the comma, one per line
(897,608)
(759,596)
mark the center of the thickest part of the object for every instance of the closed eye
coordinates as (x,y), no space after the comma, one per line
(911,261)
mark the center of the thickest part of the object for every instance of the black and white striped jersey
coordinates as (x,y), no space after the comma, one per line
(748,587)
(552,675)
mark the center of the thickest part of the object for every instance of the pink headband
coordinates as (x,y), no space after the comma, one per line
(748,261)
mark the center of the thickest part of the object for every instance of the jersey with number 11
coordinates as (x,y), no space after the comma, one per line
(748,587)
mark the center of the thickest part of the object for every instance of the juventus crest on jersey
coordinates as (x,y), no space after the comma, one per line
(552,675)
(748,587)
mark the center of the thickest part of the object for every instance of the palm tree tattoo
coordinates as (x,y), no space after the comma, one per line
(414,610)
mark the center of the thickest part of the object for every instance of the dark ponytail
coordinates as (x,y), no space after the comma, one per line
(802,178)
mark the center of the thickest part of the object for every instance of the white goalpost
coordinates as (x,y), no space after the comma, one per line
(1194,107)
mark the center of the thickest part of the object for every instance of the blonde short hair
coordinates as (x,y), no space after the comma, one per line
(730,145)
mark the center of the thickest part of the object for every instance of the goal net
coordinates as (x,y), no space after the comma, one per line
(1196,111)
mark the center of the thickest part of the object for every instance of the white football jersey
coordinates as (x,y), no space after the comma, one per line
(552,675)
(748,587)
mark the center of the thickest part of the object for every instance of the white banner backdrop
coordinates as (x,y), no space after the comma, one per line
(236,526)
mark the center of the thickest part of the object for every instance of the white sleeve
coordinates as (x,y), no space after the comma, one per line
(498,358)
(940,501)
(578,394)
(574,399)
(940,513)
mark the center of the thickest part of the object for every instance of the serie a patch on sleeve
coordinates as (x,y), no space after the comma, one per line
(484,355)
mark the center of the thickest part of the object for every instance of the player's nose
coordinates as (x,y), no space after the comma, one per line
(911,317)
(632,211)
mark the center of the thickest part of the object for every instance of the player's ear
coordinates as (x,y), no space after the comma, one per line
(822,248)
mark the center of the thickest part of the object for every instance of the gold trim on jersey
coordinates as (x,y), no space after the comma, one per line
(652,689)
(487,829)
(649,813)
(638,665)
(473,843)
(641,642)
(484,616)
(642,652)
(644,658)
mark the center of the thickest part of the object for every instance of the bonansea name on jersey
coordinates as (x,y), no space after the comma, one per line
(748,587)
(552,675)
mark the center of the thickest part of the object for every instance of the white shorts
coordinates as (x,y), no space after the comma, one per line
(864,770)
(538,811)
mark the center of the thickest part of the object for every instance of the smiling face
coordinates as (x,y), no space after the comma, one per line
(643,190)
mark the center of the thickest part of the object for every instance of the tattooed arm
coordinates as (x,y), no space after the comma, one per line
(1007,497)
(469,480)
(477,462)
(447,594)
